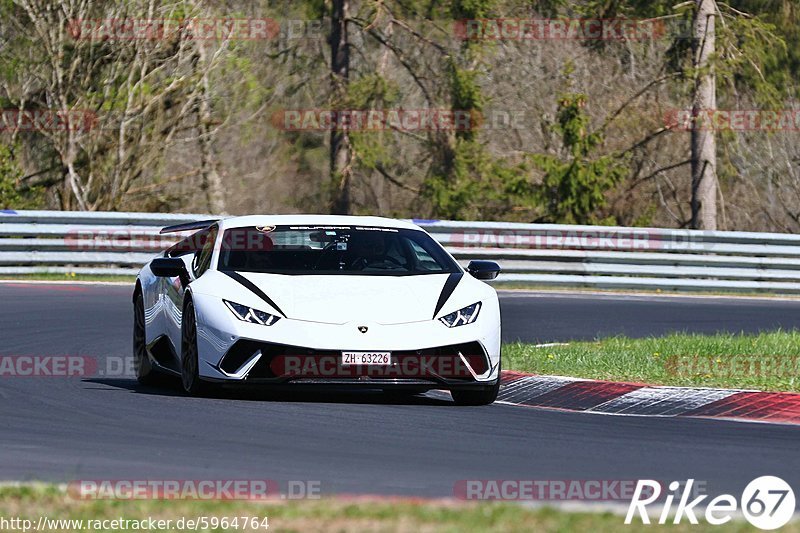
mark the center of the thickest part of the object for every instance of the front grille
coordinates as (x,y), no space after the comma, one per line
(281,361)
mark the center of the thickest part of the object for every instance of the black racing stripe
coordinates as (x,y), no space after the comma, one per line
(253,288)
(447,290)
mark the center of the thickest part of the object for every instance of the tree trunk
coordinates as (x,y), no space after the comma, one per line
(704,143)
(340,154)
(211,179)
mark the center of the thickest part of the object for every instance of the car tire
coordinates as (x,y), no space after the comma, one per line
(190,362)
(145,373)
(484,396)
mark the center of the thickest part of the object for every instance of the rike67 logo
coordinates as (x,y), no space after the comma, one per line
(767,503)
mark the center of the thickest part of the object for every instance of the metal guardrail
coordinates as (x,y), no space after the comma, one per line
(58,242)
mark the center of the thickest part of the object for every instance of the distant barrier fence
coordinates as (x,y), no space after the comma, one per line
(60,242)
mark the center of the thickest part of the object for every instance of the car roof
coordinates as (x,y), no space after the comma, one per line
(314,220)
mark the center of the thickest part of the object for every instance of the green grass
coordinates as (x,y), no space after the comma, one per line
(768,361)
(330,514)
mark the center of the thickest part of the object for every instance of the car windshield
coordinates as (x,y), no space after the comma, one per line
(333,250)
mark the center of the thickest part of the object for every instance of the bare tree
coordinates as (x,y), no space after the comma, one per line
(211,181)
(340,150)
(147,95)
(704,145)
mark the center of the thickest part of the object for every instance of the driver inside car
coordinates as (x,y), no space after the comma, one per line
(372,252)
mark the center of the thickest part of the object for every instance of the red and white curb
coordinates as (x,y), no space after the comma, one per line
(637,399)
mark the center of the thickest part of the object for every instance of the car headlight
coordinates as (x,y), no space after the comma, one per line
(248,314)
(466,315)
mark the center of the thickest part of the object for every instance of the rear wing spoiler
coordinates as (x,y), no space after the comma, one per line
(189,226)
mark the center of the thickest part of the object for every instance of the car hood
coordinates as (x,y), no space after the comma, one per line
(340,299)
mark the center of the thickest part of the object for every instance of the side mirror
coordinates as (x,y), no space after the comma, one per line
(170,267)
(484,270)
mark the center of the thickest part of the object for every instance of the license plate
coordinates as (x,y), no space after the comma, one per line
(366,358)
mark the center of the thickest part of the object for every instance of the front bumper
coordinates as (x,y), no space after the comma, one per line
(426,353)
(255,362)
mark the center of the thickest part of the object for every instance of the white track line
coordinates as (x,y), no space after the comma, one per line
(611,295)
(550,344)
(65,282)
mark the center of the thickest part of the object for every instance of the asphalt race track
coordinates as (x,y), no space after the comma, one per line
(61,429)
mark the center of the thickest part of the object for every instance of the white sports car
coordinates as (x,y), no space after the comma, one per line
(294,300)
